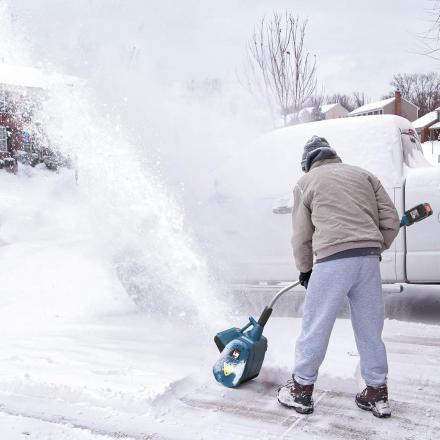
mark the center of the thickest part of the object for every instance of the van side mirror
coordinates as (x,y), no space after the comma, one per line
(416,214)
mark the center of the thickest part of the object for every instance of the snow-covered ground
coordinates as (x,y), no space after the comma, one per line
(75,325)
(431,150)
(137,378)
(83,359)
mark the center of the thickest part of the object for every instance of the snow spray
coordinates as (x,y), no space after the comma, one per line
(134,226)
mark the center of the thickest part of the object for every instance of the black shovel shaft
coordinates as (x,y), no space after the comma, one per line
(265,316)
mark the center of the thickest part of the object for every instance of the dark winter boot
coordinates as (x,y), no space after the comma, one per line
(374,399)
(296,396)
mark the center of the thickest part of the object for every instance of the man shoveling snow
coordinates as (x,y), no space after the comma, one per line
(343,216)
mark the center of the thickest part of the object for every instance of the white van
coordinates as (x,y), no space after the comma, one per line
(253,198)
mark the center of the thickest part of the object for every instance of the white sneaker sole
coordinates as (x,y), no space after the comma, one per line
(381,409)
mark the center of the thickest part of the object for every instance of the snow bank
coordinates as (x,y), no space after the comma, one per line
(431,150)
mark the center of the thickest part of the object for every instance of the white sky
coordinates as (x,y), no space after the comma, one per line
(358,44)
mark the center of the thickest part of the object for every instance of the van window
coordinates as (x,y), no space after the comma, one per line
(412,150)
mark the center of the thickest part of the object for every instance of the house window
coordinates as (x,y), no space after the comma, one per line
(2,100)
(27,145)
(3,139)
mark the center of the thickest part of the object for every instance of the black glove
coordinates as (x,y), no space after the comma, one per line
(304,278)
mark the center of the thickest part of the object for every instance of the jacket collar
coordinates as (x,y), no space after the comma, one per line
(319,163)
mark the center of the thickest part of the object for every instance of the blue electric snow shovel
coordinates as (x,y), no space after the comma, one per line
(243,350)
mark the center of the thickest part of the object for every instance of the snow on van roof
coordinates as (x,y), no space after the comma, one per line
(427,119)
(372,106)
(272,165)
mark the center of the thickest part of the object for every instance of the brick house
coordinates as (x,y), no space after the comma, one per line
(391,106)
(22,90)
(428,126)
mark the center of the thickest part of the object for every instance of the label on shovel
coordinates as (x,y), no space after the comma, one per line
(228,369)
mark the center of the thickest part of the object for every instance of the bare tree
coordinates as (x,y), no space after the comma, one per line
(316,102)
(282,70)
(341,98)
(431,38)
(359,99)
(350,102)
(422,89)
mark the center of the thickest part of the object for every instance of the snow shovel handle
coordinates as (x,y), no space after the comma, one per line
(281,292)
(268,309)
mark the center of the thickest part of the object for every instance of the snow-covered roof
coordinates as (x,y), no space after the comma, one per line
(427,119)
(378,105)
(373,106)
(27,76)
(324,108)
(305,110)
(435,126)
(23,76)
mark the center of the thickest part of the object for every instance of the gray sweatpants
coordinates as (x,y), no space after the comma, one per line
(331,281)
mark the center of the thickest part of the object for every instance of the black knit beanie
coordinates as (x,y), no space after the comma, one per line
(316,148)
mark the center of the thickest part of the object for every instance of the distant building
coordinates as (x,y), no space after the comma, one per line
(428,126)
(327,111)
(391,106)
(22,90)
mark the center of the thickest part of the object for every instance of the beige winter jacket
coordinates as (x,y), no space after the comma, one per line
(338,207)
